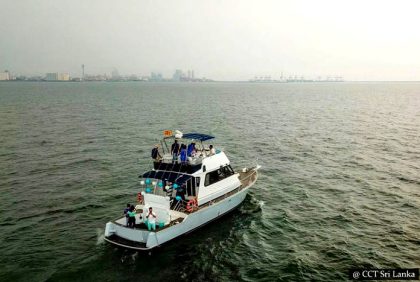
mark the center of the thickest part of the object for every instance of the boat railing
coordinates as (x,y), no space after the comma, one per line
(179,205)
(248,177)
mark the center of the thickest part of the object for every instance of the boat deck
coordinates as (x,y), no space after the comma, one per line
(142,226)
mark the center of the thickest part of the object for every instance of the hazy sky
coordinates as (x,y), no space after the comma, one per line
(227,40)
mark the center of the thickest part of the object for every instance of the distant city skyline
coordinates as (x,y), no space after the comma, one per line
(178,75)
(226,40)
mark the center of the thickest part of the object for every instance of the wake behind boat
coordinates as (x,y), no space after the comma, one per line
(188,187)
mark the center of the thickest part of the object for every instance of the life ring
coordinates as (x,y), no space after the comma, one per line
(192,204)
(140,198)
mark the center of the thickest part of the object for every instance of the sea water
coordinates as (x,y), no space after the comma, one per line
(339,186)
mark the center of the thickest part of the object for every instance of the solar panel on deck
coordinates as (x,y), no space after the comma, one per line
(179,178)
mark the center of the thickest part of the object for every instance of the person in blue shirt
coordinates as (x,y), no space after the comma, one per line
(183,154)
(191,150)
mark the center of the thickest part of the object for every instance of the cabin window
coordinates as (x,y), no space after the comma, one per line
(217,175)
(211,177)
(230,169)
(207,180)
(226,171)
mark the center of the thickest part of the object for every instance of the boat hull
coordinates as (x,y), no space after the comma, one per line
(146,240)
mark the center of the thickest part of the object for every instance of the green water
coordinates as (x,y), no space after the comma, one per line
(339,187)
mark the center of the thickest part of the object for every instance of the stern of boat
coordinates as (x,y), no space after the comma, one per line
(126,237)
(139,237)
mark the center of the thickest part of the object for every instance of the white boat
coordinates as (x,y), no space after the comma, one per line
(185,194)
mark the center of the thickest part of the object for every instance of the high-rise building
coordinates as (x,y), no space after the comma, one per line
(156,76)
(5,75)
(115,75)
(52,76)
(63,77)
(178,75)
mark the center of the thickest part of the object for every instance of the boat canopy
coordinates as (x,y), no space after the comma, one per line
(179,178)
(197,136)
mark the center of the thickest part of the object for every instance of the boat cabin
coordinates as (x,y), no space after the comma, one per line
(203,176)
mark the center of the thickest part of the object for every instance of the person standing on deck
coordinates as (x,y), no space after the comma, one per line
(155,153)
(183,154)
(175,150)
(126,214)
(151,219)
(131,217)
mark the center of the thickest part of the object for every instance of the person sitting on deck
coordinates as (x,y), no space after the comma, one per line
(212,151)
(151,219)
(183,154)
(175,150)
(191,150)
(126,214)
(155,153)
(131,217)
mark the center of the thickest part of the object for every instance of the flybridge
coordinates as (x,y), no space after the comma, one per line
(192,142)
